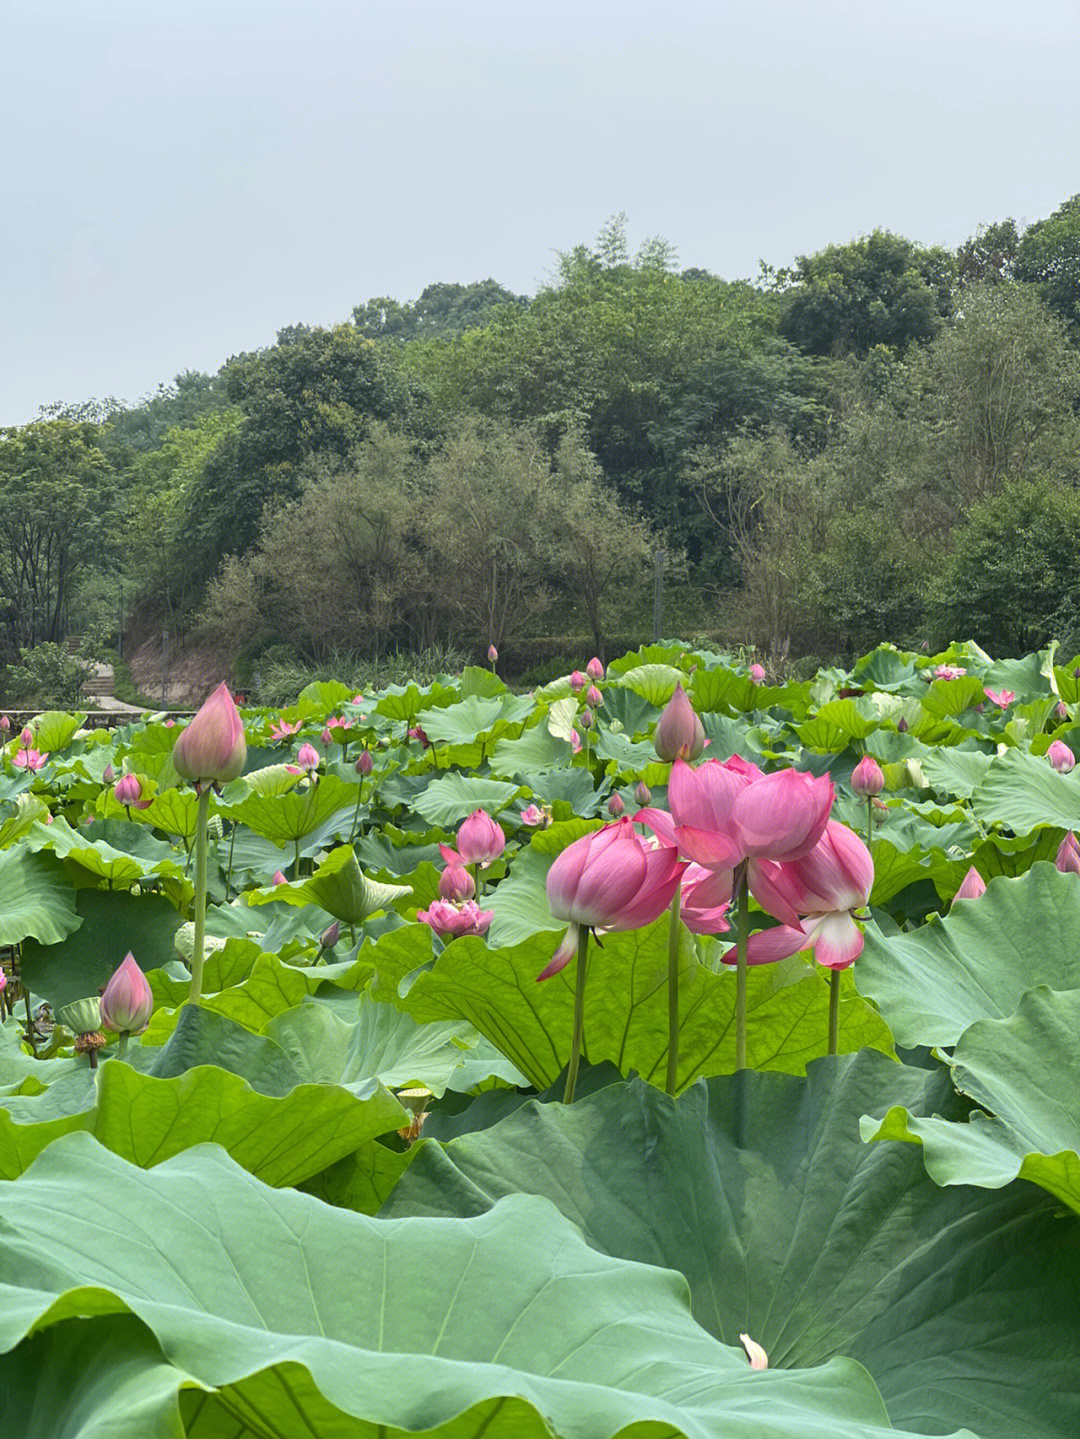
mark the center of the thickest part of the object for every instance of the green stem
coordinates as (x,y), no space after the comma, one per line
(579,1015)
(202,819)
(31,1037)
(228,872)
(673,994)
(869,819)
(121,1048)
(356,812)
(296,858)
(834,1010)
(740,971)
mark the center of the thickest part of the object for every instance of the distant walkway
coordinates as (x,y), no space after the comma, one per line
(99,688)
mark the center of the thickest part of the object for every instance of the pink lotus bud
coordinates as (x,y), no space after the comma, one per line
(679,732)
(615,806)
(593,697)
(642,792)
(594,669)
(108,774)
(493,653)
(212,747)
(972,887)
(1062,710)
(901,725)
(357,700)
(480,839)
(1068,855)
(754,1352)
(867,778)
(449,921)
(330,935)
(586,720)
(456,884)
(575,741)
(327,738)
(5,723)
(578,680)
(757,674)
(128,789)
(1061,756)
(128,1002)
(279,878)
(3,981)
(365,764)
(533,815)
(308,757)
(1076,673)
(170,724)
(26,739)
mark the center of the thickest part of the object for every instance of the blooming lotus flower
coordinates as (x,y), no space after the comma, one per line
(609,879)
(212,748)
(30,759)
(533,815)
(451,921)
(782,816)
(679,733)
(128,789)
(307,757)
(365,764)
(866,777)
(642,793)
(757,674)
(949,672)
(480,840)
(593,697)
(337,722)
(578,681)
(128,1001)
(493,653)
(278,878)
(701,801)
(594,669)
(1002,698)
(971,887)
(706,894)
(283,729)
(615,805)
(1068,855)
(456,884)
(1061,756)
(815,898)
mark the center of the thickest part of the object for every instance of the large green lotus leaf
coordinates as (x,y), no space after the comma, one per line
(339,887)
(569,791)
(758,1189)
(112,924)
(631,711)
(895,869)
(306,1320)
(405,702)
(37,903)
(1027,677)
(655,683)
(322,697)
(227,962)
(626,1014)
(952,697)
(270,988)
(476,716)
(93,853)
(173,810)
(55,729)
(286,818)
(1024,791)
(537,748)
(838,723)
(977,962)
(386,1044)
(1024,1070)
(887,668)
(19,817)
(448,799)
(955,771)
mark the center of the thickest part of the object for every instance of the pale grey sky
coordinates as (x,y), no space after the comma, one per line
(181,180)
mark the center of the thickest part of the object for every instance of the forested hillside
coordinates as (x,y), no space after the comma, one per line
(880,440)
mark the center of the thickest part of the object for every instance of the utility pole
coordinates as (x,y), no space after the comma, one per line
(658,595)
(164,663)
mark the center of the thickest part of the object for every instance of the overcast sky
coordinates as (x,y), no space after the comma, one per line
(181,180)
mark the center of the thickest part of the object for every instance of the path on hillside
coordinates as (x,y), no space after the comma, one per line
(99,688)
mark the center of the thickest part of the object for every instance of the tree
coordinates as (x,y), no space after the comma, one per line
(1048,257)
(441,312)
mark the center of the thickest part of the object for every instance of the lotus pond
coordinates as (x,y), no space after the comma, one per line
(304,1168)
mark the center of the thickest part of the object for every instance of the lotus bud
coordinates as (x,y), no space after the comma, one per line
(5,723)
(642,793)
(867,778)
(575,741)
(26,739)
(128,789)
(212,747)
(308,757)
(417,733)
(901,725)
(757,674)
(593,697)
(456,884)
(1076,673)
(679,732)
(1068,855)
(1062,710)
(330,935)
(279,878)
(327,738)
(578,680)
(615,806)
(594,669)
(586,720)
(108,774)
(365,764)
(972,887)
(1061,756)
(493,653)
(480,839)
(128,1001)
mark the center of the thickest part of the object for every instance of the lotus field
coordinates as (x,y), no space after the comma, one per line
(666,1052)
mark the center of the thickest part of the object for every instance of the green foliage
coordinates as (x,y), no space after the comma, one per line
(1048,257)
(47,676)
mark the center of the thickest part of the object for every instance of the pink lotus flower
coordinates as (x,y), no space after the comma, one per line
(971,887)
(578,681)
(337,722)
(606,880)
(782,816)
(326,739)
(1002,698)
(449,921)
(365,764)
(1068,855)
(456,884)
(949,672)
(1061,756)
(170,724)
(307,757)
(480,840)
(283,729)
(700,824)
(5,723)
(278,878)
(493,653)
(754,1352)
(757,674)
(594,669)
(815,898)
(30,759)
(866,777)
(128,789)
(679,733)
(108,774)
(593,697)
(575,741)
(615,806)
(128,1001)
(533,815)
(212,747)
(417,733)
(706,894)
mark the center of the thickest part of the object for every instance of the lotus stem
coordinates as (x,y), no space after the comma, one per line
(673,995)
(356,812)
(834,1010)
(197,956)
(296,857)
(121,1048)
(869,819)
(740,970)
(31,1037)
(579,1016)
(228,872)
